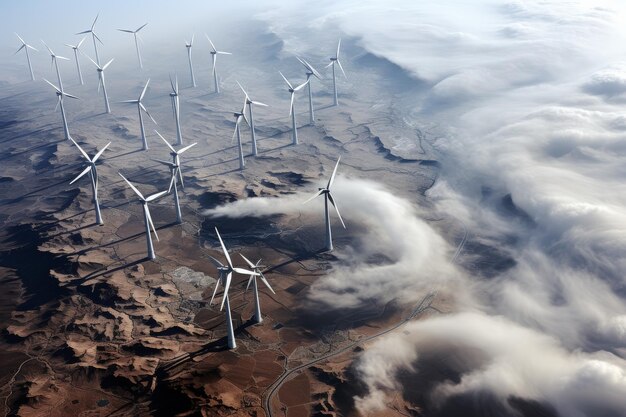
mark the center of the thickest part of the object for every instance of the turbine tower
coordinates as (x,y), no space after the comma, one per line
(93,37)
(176,109)
(310,72)
(55,61)
(225,277)
(250,102)
(189,45)
(75,48)
(136,36)
(93,173)
(329,197)
(25,47)
(101,82)
(60,95)
(335,60)
(292,110)
(238,116)
(176,171)
(147,218)
(214,54)
(257,305)
(141,107)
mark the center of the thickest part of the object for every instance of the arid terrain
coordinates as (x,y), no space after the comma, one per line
(93,328)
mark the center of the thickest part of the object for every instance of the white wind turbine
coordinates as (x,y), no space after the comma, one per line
(141,107)
(55,62)
(101,82)
(238,116)
(93,37)
(176,109)
(214,54)
(329,197)
(25,47)
(147,218)
(75,48)
(257,305)
(176,173)
(93,173)
(292,110)
(310,72)
(136,35)
(189,45)
(225,277)
(250,102)
(60,95)
(335,60)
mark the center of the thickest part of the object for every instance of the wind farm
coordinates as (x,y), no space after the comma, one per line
(289,239)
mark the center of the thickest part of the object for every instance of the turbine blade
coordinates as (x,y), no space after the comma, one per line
(132,186)
(267,284)
(331,63)
(141,27)
(247,260)
(338,46)
(83,32)
(226,287)
(166,142)
(53,86)
(32,47)
(126,30)
(230,262)
(180,175)
(332,201)
(81,149)
(70,96)
(154,196)
(293,93)
(86,170)
(94,21)
(217,285)
(314,195)
(287,81)
(212,45)
(167,163)
(94,62)
(20,38)
(301,86)
(58,102)
(249,282)
(187,148)
(80,43)
(214,58)
(147,112)
(147,209)
(243,271)
(20,48)
(107,64)
(258,103)
(130,101)
(173,179)
(224,53)
(332,177)
(216,262)
(342,71)
(143,92)
(96,36)
(96,156)
(172,84)
(192,38)
(244,91)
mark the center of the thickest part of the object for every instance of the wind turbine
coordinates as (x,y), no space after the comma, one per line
(214,54)
(292,111)
(225,277)
(136,35)
(329,197)
(335,60)
(189,45)
(101,82)
(175,171)
(141,107)
(310,72)
(55,61)
(250,102)
(176,109)
(93,173)
(60,95)
(25,47)
(238,116)
(75,48)
(257,305)
(146,215)
(93,37)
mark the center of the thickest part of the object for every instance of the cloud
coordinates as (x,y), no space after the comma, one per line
(418,258)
